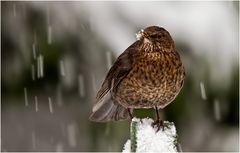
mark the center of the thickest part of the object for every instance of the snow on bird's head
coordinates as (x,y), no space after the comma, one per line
(139,35)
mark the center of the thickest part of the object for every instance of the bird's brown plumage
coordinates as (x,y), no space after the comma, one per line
(147,74)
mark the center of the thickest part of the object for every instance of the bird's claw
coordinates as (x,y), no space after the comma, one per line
(159,124)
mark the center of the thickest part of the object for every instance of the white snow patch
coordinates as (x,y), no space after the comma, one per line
(149,140)
(127,148)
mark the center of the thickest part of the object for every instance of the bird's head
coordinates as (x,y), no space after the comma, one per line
(156,36)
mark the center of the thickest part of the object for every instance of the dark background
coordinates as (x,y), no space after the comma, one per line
(76,42)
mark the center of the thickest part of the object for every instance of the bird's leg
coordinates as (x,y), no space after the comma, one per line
(158,122)
(129,113)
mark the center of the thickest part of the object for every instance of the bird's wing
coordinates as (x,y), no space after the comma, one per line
(106,108)
(118,71)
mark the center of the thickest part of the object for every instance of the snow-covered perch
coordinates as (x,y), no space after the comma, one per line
(145,138)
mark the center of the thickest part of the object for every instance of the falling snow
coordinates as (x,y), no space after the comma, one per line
(203,91)
(71,132)
(14,10)
(49,32)
(49,27)
(34,51)
(36,103)
(50,105)
(25,96)
(109,59)
(40,67)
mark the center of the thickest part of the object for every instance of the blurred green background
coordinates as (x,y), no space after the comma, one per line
(55,55)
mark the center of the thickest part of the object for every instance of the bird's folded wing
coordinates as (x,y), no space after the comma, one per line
(106,107)
(118,71)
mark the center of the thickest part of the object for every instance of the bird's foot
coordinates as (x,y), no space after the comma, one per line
(159,124)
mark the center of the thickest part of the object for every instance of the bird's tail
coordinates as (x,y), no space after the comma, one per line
(108,110)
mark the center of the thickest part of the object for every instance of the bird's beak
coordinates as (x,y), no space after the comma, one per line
(140,34)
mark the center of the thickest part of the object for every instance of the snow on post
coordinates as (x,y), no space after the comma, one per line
(145,138)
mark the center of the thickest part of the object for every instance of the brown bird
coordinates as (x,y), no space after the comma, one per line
(148,74)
